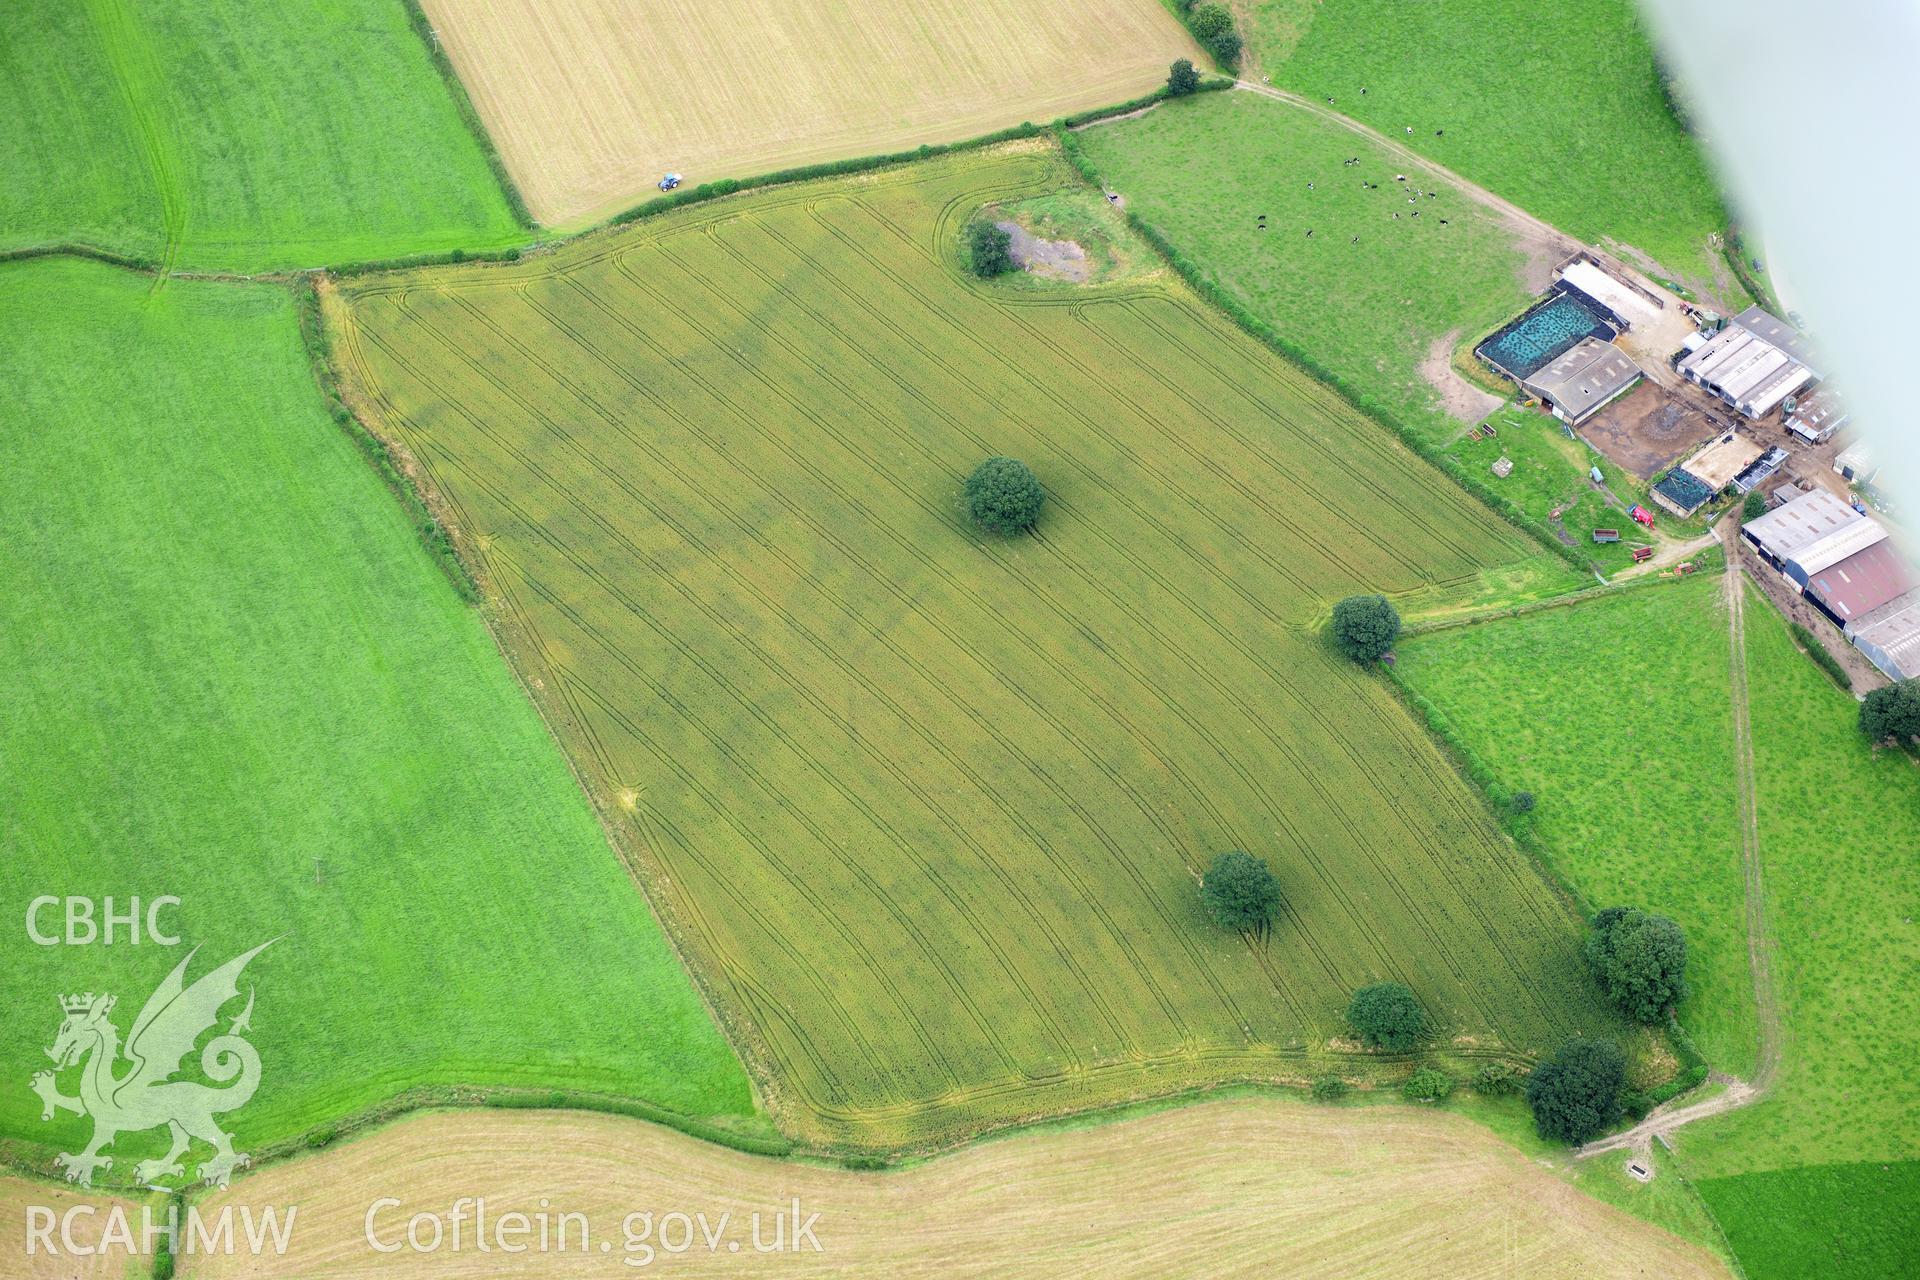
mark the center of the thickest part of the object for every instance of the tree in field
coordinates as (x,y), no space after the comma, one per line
(1386,1016)
(1364,627)
(1754,507)
(1240,893)
(1182,79)
(1497,1080)
(1225,48)
(989,249)
(1892,713)
(1575,1095)
(1209,20)
(1639,960)
(1003,497)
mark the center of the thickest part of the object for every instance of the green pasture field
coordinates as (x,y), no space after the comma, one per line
(1836,1221)
(1839,825)
(1205,169)
(236,137)
(1559,110)
(928,807)
(1616,715)
(234,675)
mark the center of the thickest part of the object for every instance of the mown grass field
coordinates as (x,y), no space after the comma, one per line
(1839,825)
(1616,715)
(929,807)
(1836,1221)
(236,137)
(1217,1189)
(234,675)
(1560,111)
(591,101)
(1605,710)
(1370,296)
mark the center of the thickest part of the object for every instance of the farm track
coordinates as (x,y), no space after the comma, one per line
(978,777)
(1663,1121)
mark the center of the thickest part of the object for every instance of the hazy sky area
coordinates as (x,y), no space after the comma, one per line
(1811,111)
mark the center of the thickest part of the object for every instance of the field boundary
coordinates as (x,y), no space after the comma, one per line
(462,104)
(1264,333)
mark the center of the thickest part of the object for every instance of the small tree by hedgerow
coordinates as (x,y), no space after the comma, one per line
(1497,1080)
(1240,893)
(1754,507)
(1182,79)
(1386,1016)
(1365,627)
(989,249)
(1209,20)
(1329,1089)
(1004,497)
(1225,48)
(1639,960)
(1428,1084)
(1892,714)
(1575,1095)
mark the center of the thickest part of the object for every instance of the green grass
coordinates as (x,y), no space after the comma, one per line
(1836,1221)
(236,137)
(1079,213)
(1550,472)
(1616,714)
(1558,110)
(1204,169)
(1839,826)
(929,806)
(234,675)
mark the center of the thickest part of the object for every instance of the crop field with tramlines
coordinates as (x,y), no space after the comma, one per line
(928,808)
(591,101)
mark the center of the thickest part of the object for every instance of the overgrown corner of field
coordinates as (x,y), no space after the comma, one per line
(314,293)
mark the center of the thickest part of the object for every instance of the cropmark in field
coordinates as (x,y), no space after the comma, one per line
(930,807)
(592,101)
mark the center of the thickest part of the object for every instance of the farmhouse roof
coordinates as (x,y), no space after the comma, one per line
(1800,522)
(1865,580)
(1586,376)
(1894,630)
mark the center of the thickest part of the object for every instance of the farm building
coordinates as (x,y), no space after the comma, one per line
(1581,379)
(1622,303)
(1791,529)
(1542,333)
(1682,492)
(1753,364)
(1816,416)
(1721,462)
(1760,470)
(1857,463)
(1851,589)
(1890,636)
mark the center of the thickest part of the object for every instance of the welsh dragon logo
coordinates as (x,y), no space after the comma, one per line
(143,1096)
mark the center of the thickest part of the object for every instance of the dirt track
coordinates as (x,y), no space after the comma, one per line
(1738,1093)
(1255,1187)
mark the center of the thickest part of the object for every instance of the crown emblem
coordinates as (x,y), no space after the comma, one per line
(77,1004)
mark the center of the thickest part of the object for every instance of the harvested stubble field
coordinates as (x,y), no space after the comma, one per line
(1380,1194)
(105,1259)
(591,101)
(929,808)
